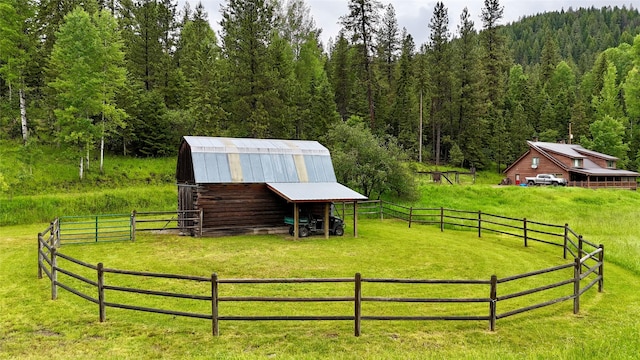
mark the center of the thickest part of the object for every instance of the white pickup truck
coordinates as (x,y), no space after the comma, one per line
(545,179)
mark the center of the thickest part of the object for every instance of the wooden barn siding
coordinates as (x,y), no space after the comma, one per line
(545,166)
(240,206)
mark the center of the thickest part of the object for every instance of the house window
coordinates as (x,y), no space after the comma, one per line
(611,164)
(534,162)
(577,162)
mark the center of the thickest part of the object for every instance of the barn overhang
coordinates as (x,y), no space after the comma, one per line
(319,192)
(315,192)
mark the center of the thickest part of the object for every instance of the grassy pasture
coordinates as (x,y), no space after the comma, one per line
(35,327)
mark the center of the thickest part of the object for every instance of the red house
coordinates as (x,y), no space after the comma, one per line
(580,166)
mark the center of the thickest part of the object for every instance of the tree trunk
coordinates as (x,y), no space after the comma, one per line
(101,154)
(81,167)
(102,145)
(23,116)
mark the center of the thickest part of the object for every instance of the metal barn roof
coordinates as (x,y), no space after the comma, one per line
(311,192)
(234,160)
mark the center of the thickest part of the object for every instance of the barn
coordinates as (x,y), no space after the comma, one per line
(246,186)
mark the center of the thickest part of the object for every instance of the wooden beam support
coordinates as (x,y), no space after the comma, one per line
(355,219)
(296,220)
(326,220)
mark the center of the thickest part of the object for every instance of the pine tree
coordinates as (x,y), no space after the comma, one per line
(316,109)
(340,75)
(470,130)
(247,32)
(561,90)
(362,22)
(495,66)
(388,45)
(405,105)
(440,75)
(199,56)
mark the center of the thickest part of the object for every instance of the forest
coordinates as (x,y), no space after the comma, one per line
(131,77)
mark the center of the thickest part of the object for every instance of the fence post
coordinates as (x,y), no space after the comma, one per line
(201,220)
(576,286)
(357,304)
(441,219)
(524,228)
(381,210)
(96,228)
(580,250)
(214,304)
(566,236)
(133,225)
(493,303)
(101,306)
(479,223)
(54,274)
(601,270)
(410,215)
(56,226)
(39,255)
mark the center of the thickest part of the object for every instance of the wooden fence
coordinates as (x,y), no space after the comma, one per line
(123,227)
(572,279)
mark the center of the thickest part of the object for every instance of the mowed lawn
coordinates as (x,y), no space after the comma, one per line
(33,326)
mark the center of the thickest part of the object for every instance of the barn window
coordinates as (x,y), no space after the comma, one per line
(611,164)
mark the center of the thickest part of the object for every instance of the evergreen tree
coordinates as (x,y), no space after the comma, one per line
(440,75)
(246,36)
(608,131)
(362,22)
(561,90)
(316,109)
(495,66)
(404,107)
(199,62)
(550,57)
(340,75)
(470,130)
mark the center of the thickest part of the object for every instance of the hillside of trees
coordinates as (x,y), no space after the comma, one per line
(133,76)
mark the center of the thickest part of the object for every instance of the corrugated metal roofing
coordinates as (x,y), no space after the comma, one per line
(572,150)
(233,160)
(310,192)
(564,149)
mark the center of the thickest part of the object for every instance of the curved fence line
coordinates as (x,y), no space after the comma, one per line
(587,266)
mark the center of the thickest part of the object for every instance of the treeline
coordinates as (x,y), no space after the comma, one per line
(132,77)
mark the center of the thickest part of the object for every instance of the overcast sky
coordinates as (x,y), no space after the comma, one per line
(414,15)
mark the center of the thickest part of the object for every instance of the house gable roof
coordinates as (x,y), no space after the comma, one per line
(573,151)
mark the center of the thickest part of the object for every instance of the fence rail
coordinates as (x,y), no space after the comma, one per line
(123,227)
(585,268)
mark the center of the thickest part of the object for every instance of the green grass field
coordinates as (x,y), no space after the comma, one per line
(33,191)
(33,326)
